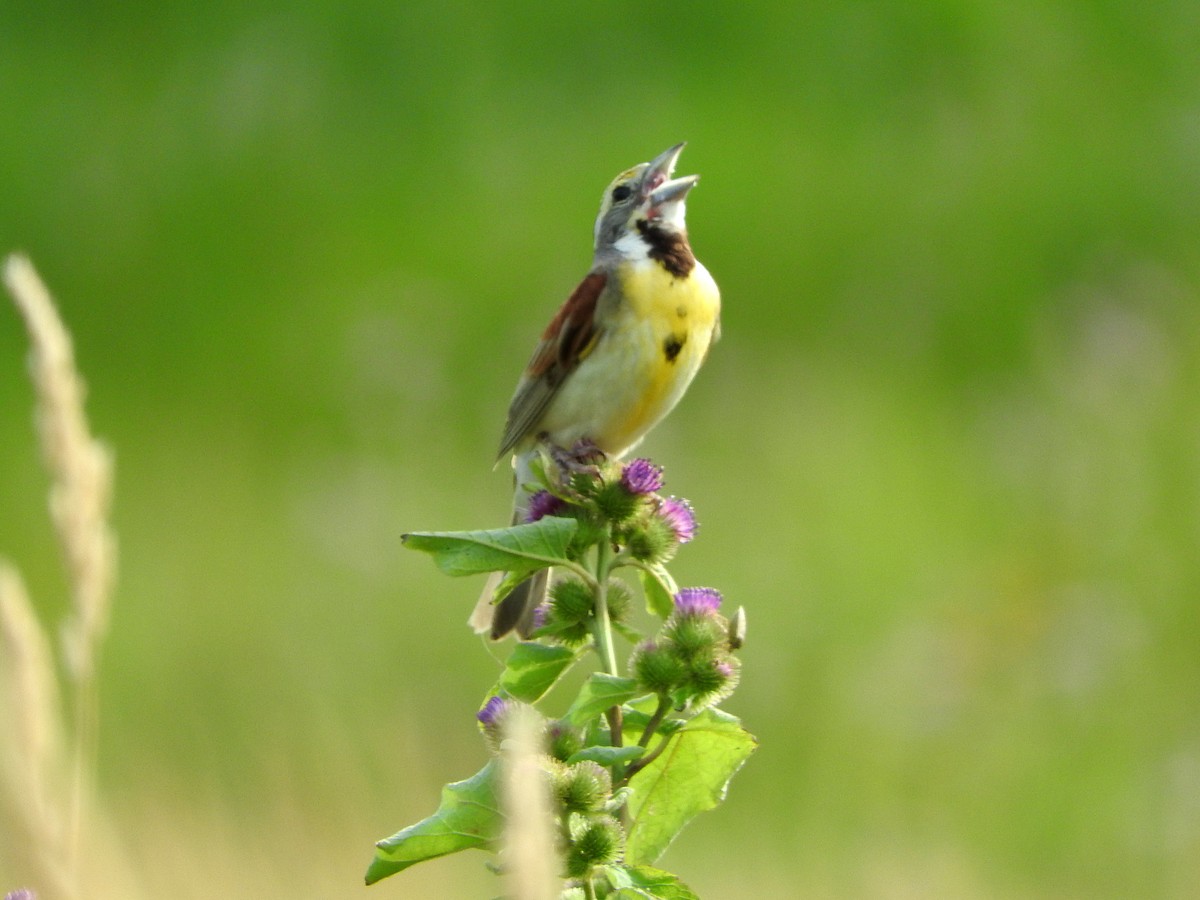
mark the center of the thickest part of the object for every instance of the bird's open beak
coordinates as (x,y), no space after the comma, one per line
(658,184)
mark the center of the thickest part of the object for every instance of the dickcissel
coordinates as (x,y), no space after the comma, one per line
(618,354)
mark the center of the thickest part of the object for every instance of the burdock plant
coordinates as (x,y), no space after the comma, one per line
(582,802)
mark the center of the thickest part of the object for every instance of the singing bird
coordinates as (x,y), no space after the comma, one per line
(621,351)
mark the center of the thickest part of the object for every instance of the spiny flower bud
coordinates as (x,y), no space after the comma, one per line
(570,601)
(568,614)
(620,600)
(616,504)
(584,787)
(570,636)
(657,668)
(710,681)
(652,540)
(695,637)
(564,740)
(709,676)
(583,483)
(599,842)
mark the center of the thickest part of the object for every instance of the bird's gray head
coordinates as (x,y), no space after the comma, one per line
(644,193)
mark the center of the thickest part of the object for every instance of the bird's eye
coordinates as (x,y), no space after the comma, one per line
(621,192)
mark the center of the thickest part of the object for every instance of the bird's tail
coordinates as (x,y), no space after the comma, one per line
(516,610)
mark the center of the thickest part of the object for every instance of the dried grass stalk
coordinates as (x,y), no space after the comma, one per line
(80,470)
(31,689)
(80,466)
(528,834)
(33,765)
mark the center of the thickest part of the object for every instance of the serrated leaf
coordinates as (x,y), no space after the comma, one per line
(690,776)
(606,756)
(598,693)
(532,669)
(647,882)
(468,817)
(516,549)
(660,590)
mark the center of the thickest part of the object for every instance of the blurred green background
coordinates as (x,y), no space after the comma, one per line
(947,453)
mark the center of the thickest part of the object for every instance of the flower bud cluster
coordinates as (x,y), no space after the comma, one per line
(691,660)
(567,617)
(594,841)
(612,499)
(581,792)
(583,798)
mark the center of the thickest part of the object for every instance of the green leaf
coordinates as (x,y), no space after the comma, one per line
(598,693)
(468,817)
(532,669)
(647,882)
(630,634)
(690,776)
(518,549)
(660,589)
(607,756)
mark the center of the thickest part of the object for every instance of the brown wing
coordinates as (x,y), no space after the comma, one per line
(564,342)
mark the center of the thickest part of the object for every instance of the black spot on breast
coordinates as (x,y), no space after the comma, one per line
(672,345)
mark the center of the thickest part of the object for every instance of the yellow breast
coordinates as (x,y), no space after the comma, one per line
(655,332)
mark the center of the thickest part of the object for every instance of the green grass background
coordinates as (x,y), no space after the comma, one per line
(947,453)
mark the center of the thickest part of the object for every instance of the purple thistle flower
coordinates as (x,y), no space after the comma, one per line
(542,503)
(724,669)
(540,613)
(642,477)
(22,894)
(492,712)
(677,513)
(697,601)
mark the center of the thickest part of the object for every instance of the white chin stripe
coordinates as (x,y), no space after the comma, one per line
(632,245)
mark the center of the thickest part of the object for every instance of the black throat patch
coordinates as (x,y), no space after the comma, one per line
(671,250)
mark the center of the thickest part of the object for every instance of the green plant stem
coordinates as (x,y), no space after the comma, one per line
(660,713)
(603,624)
(589,889)
(638,764)
(604,636)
